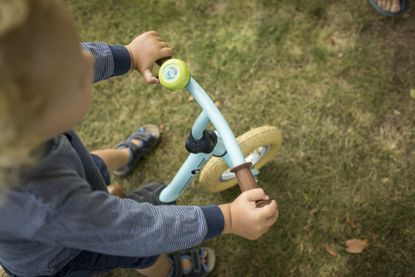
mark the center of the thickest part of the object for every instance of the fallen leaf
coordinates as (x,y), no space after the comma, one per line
(314,211)
(356,246)
(330,250)
(161,128)
(352,223)
(374,237)
(191,98)
(218,103)
(294,269)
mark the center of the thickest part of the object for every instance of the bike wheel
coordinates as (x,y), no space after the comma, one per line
(258,145)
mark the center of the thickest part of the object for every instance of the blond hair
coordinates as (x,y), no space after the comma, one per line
(24,94)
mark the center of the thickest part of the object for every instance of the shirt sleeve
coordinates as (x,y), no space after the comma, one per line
(109,60)
(99,222)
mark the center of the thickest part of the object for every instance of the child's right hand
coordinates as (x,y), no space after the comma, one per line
(244,219)
(145,50)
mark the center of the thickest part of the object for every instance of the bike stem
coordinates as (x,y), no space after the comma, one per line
(241,169)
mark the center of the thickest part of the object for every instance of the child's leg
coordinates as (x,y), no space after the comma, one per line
(114,158)
(161,268)
(127,153)
(117,190)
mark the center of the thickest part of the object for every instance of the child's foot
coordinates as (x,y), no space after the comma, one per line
(195,262)
(389,7)
(139,144)
(149,193)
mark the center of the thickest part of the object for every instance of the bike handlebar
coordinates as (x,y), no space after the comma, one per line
(247,181)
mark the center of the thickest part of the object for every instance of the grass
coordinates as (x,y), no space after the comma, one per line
(334,76)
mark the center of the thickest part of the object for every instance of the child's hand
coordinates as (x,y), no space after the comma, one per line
(244,219)
(145,50)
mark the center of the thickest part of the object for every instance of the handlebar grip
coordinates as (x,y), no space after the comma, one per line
(163,60)
(247,181)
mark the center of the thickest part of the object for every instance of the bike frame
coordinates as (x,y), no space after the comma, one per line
(226,147)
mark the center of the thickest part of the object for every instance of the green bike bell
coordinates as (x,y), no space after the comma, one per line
(174,74)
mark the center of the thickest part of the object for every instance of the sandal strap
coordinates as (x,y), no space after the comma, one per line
(194,255)
(178,270)
(149,139)
(196,260)
(134,148)
(140,135)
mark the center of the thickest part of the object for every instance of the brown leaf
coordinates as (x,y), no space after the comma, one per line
(294,269)
(314,211)
(218,103)
(191,98)
(374,237)
(330,250)
(352,223)
(161,128)
(356,246)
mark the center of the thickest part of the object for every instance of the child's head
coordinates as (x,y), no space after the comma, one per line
(44,77)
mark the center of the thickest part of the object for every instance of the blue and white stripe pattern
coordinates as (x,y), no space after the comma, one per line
(62,206)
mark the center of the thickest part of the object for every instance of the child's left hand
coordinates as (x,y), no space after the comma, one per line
(145,50)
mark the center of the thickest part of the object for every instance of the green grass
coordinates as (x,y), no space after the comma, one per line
(332,75)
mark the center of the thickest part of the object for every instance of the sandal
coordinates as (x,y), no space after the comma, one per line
(194,256)
(380,10)
(149,193)
(149,136)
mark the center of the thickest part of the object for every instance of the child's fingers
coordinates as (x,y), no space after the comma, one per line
(166,52)
(153,33)
(271,221)
(254,194)
(148,76)
(163,44)
(268,211)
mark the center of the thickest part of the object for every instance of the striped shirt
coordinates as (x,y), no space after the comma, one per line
(62,205)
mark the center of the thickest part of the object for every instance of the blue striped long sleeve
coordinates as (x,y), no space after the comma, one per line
(103,223)
(109,60)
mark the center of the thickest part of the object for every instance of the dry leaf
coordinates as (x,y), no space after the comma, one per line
(314,211)
(294,269)
(374,238)
(218,103)
(330,250)
(356,246)
(352,223)
(161,128)
(191,98)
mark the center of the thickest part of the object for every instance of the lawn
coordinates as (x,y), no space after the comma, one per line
(334,76)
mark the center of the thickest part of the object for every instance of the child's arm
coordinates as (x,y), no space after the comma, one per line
(140,55)
(65,212)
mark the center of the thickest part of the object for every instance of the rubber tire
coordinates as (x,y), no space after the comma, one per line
(249,141)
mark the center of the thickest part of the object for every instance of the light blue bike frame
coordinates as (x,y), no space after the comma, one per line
(226,147)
